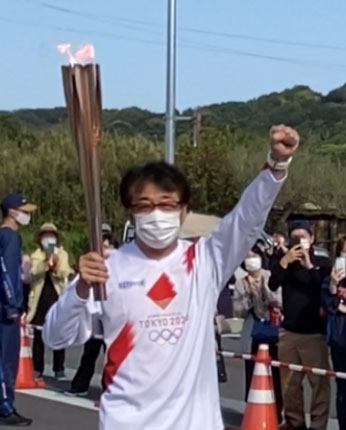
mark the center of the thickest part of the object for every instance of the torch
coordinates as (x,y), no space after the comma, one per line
(82,88)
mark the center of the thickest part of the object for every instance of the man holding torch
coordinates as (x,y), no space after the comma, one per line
(160,371)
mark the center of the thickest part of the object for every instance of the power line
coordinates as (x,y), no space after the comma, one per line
(119,21)
(183,44)
(216,49)
(265,40)
(76,31)
(128,24)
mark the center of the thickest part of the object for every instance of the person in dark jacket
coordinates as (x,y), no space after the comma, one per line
(301,273)
(334,297)
(279,248)
(16,212)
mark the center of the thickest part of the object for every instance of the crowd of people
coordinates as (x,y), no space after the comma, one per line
(32,284)
(156,325)
(293,294)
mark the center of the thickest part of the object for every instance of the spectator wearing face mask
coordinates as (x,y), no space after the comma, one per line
(301,273)
(252,295)
(16,212)
(334,294)
(49,272)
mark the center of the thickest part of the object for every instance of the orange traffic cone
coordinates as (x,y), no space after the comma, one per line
(260,411)
(25,375)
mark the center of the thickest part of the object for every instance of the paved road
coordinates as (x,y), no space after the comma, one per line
(52,415)
(51,410)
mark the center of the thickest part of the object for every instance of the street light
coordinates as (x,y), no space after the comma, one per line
(171,82)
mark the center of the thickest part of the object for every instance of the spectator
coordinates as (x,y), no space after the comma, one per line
(220,361)
(280,247)
(16,212)
(81,381)
(264,246)
(49,272)
(26,279)
(252,295)
(301,273)
(334,293)
(225,300)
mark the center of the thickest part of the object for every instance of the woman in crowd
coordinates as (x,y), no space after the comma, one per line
(334,293)
(49,273)
(252,296)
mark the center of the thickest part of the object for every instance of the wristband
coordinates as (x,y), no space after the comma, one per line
(278,165)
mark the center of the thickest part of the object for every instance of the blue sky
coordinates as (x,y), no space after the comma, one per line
(129,37)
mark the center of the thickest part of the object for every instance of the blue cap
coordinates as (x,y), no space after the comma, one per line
(300,224)
(17,201)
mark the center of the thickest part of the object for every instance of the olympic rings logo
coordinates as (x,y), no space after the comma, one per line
(166,336)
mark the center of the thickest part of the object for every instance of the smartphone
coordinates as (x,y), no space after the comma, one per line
(295,241)
(340,264)
(305,243)
(51,249)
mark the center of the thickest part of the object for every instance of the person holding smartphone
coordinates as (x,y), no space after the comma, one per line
(301,273)
(49,273)
(334,298)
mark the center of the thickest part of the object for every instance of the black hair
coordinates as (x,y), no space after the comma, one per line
(112,240)
(163,175)
(256,250)
(340,245)
(281,233)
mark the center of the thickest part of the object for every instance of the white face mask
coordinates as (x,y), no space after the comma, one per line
(253,264)
(22,218)
(157,229)
(48,242)
(343,255)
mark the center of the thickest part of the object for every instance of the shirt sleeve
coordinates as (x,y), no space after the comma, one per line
(226,248)
(277,278)
(9,277)
(68,322)
(329,301)
(39,266)
(63,269)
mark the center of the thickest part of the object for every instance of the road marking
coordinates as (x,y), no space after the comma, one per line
(61,398)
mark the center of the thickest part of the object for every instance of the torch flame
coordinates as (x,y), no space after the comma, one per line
(84,55)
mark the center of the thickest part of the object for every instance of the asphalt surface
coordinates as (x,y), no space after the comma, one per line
(51,415)
(50,409)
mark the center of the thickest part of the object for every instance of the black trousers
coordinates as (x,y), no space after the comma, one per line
(249,368)
(9,356)
(86,369)
(38,355)
(339,363)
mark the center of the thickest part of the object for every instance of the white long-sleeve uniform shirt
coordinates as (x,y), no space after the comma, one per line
(160,367)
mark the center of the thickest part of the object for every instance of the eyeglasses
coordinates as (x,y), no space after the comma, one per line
(147,207)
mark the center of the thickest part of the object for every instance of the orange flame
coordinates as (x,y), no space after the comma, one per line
(84,55)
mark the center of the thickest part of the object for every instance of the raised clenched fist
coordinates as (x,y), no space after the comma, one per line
(284,142)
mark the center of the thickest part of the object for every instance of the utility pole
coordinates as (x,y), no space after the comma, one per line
(197,127)
(171,82)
